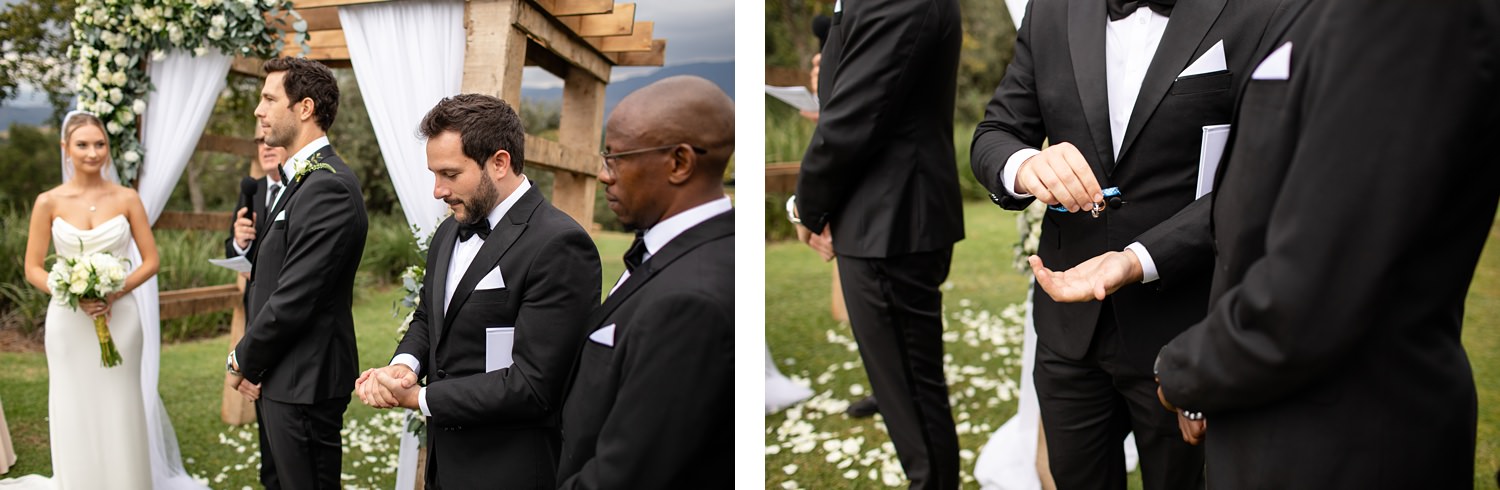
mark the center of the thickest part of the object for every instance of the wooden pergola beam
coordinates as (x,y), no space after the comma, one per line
(554,155)
(318,18)
(558,38)
(563,8)
(656,57)
(325,46)
(638,40)
(620,22)
(230,145)
(312,4)
(250,67)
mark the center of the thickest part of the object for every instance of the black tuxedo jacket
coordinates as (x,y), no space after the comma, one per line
(650,411)
(499,429)
(258,207)
(1056,90)
(299,336)
(1350,212)
(880,165)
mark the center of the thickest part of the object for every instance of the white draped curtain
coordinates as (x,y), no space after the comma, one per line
(177,109)
(407,56)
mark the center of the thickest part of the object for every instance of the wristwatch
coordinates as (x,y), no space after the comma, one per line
(791,210)
(229,363)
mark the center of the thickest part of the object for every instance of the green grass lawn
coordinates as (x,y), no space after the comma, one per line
(815,446)
(192,374)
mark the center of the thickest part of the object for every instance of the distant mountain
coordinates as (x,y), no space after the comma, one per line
(28,115)
(721,73)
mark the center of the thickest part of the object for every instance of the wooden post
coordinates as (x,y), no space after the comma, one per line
(495,52)
(580,126)
(235,409)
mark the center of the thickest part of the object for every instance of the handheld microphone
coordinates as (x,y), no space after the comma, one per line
(247,191)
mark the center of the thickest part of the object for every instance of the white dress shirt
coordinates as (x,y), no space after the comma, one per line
(464,252)
(661,234)
(1129,46)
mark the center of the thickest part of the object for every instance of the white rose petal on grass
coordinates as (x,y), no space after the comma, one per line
(789,469)
(857,390)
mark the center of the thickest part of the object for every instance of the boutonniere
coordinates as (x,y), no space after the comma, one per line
(304,167)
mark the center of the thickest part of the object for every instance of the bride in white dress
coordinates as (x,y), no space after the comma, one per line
(96,415)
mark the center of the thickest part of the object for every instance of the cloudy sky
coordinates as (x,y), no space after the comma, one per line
(695,30)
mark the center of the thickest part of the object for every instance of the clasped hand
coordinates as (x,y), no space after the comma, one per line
(388,387)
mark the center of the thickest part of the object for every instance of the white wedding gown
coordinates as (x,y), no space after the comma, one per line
(96,414)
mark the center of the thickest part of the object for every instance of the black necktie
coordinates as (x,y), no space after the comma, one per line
(636,254)
(482,228)
(275,190)
(1119,9)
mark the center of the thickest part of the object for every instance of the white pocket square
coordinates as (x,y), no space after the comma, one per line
(493,280)
(1277,66)
(281,216)
(605,336)
(1211,61)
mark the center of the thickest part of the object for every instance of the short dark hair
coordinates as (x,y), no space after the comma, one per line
(484,124)
(308,79)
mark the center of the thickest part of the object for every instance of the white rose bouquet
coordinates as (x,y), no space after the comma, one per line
(94,276)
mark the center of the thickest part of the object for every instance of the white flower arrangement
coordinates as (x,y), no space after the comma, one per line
(114,38)
(95,276)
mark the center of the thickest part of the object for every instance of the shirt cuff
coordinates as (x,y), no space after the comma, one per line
(422,402)
(236,244)
(1148,267)
(410,361)
(1012,165)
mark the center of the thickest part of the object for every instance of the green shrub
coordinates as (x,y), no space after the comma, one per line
(389,248)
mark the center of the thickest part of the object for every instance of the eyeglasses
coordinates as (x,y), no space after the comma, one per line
(612,159)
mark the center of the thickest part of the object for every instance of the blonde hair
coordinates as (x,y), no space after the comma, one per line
(78,120)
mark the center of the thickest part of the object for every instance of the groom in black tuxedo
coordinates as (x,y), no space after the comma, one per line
(505,262)
(1122,91)
(298,356)
(654,382)
(878,188)
(1350,211)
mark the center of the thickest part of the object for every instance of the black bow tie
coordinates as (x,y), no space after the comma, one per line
(482,228)
(636,254)
(1119,9)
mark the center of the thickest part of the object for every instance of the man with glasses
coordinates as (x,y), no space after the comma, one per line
(655,377)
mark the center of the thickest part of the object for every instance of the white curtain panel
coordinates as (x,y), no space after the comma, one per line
(186,89)
(407,56)
(1017,11)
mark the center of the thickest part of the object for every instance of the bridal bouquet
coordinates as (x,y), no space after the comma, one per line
(94,276)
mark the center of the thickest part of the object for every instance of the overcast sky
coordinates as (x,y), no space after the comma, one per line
(695,30)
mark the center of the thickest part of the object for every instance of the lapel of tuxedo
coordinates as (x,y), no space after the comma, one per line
(1281,21)
(441,250)
(1189,24)
(716,227)
(505,234)
(1086,22)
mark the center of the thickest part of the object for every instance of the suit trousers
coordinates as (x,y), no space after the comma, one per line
(304,442)
(895,310)
(267,465)
(1089,405)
